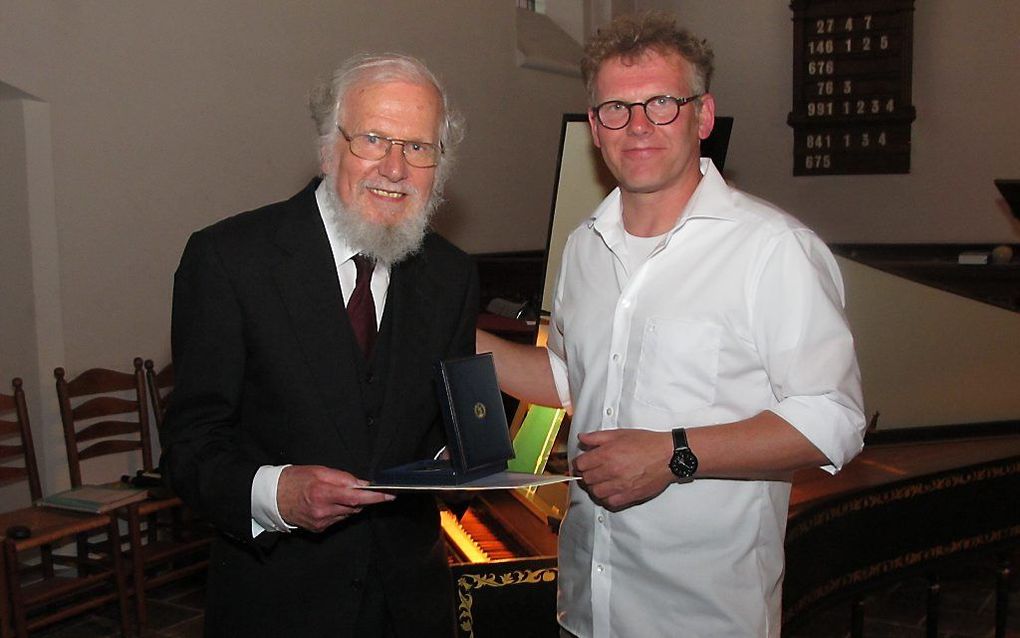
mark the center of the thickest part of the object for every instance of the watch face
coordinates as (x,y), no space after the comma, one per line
(683,464)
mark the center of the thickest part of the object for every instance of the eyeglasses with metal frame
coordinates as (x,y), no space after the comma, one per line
(370,146)
(660,110)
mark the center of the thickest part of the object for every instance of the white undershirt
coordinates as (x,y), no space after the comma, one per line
(265,515)
(639,249)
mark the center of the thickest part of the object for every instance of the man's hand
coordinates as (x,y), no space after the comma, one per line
(314,497)
(623,467)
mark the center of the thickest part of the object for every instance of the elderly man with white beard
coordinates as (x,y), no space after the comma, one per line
(304,337)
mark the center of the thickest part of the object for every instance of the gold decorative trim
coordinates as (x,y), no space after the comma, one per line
(902,561)
(468,582)
(912,490)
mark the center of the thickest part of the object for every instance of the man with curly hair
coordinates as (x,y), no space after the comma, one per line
(699,337)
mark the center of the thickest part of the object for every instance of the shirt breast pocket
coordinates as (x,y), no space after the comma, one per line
(679,364)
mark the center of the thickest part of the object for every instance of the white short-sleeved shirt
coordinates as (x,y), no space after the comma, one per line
(738,310)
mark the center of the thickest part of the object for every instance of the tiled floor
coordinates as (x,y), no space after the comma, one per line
(175,611)
(896,611)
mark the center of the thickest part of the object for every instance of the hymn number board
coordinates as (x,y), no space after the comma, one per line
(851,86)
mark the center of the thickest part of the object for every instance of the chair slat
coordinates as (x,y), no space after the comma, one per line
(16,424)
(8,473)
(104,406)
(11,451)
(108,447)
(9,428)
(98,380)
(105,429)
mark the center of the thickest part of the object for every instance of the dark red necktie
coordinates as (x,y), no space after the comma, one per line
(361,306)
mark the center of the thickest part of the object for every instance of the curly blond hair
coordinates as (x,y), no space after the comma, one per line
(628,37)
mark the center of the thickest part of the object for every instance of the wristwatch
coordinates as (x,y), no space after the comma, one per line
(683,463)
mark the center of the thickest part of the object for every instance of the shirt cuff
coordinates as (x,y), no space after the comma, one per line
(835,428)
(559,373)
(265,515)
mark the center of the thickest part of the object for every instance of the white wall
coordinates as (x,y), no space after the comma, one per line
(966,87)
(162,117)
(167,116)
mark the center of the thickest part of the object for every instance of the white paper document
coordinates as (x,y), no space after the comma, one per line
(496,481)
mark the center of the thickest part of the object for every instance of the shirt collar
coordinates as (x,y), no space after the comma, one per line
(607,219)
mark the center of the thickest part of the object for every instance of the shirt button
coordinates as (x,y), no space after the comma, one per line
(609,411)
(616,357)
(599,568)
(602,519)
(357,584)
(370,378)
(370,421)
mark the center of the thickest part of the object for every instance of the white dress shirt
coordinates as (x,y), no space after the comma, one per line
(265,514)
(739,309)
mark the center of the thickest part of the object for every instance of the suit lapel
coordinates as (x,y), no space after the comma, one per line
(307,281)
(409,300)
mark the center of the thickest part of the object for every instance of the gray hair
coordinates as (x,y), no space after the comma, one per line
(326,101)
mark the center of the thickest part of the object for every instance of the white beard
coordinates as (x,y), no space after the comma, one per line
(382,243)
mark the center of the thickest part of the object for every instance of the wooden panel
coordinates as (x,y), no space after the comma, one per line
(895,511)
(927,357)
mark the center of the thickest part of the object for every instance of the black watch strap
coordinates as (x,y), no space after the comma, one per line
(679,438)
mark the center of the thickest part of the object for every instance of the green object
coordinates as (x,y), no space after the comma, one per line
(534,440)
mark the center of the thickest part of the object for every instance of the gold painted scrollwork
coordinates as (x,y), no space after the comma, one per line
(468,582)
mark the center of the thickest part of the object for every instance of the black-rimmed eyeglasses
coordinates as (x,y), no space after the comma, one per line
(660,110)
(370,146)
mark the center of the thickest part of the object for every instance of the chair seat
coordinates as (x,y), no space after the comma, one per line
(89,585)
(48,524)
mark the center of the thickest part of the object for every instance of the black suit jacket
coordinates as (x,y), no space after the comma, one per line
(268,373)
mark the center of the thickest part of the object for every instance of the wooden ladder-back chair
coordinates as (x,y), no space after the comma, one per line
(88,433)
(34,596)
(99,421)
(14,406)
(160,385)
